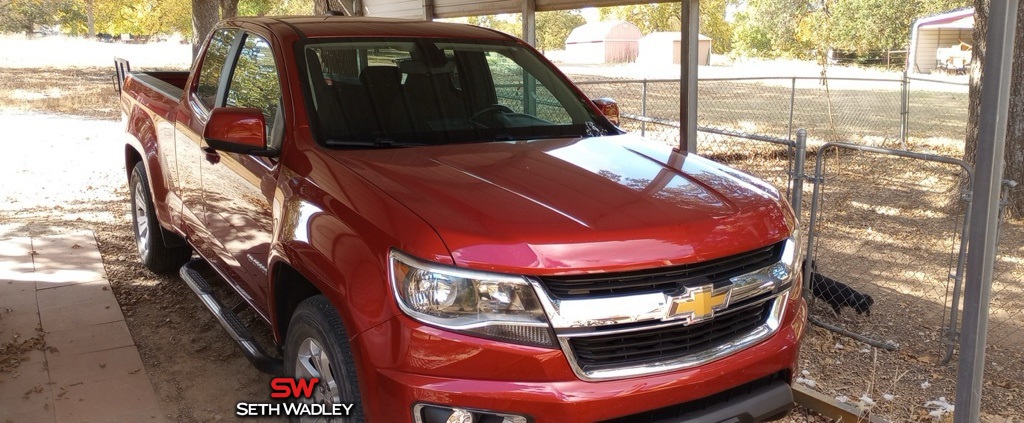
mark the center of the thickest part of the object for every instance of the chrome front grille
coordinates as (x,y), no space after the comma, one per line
(644,346)
(616,326)
(665,280)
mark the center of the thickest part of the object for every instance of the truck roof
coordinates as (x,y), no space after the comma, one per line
(345,26)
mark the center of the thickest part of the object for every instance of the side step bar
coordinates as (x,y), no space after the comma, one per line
(229,320)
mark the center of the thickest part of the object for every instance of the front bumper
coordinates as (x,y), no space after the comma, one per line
(403,362)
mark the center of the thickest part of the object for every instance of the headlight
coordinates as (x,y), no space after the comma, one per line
(792,261)
(483,304)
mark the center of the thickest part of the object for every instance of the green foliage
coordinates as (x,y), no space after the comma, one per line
(666,17)
(648,17)
(138,17)
(554,27)
(26,15)
(866,25)
(274,7)
(769,28)
(509,24)
(801,28)
(714,25)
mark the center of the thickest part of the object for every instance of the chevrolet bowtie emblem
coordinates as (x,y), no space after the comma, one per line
(697,304)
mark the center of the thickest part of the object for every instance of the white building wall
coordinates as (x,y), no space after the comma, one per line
(405,9)
(929,40)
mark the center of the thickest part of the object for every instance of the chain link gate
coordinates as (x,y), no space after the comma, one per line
(887,248)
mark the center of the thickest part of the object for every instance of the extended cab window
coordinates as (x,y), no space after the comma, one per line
(254,81)
(213,66)
(399,91)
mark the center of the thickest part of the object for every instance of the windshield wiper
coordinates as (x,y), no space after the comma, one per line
(507,137)
(376,143)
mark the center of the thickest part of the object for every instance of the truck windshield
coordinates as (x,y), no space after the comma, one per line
(400,91)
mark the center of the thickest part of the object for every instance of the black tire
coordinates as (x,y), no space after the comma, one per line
(149,236)
(317,321)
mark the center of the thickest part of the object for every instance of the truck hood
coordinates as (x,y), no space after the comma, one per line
(547,207)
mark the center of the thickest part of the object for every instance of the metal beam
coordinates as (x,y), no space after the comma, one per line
(530,22)
(984,224)
(688,75)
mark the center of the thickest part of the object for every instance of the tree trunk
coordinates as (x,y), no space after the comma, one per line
(90,17)
(204,17)
(1014,156)
(228,8)
(320,7)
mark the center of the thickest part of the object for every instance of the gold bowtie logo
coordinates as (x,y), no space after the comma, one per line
(698,304)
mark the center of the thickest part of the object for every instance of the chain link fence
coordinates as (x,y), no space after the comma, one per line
(938,109)
(885,237)
(891,223)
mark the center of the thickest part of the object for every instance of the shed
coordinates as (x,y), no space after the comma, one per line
(655,49)
(941,41)
(603,42)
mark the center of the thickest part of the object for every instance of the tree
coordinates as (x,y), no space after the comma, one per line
(648,17)
(795,28)
(873,25)
(228,8)
(770,28)
(1014,156)
(554,27)
(665,17)
(504,23)
(321,7)
(204,17)
(26,15)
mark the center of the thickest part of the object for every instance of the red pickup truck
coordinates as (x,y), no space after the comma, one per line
(440,227)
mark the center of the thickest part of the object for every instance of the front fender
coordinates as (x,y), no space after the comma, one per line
(342,247)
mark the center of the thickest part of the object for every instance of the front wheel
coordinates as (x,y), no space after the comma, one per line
(149,236)
(317,347)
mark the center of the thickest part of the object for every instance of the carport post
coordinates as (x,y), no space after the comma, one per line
(995,101)
(688,75)
(530,22)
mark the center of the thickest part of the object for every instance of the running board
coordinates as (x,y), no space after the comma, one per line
(229,320)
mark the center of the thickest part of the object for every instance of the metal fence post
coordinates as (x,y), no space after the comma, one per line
(904,110)
(792,104)
(958,277)
(643,106)
(995,105)
(798,172)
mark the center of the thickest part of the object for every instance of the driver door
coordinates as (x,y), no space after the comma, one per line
(238,188)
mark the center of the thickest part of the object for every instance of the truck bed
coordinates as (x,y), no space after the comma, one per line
(169,83)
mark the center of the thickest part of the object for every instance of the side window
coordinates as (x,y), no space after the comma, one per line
(213,64)
(254,81)
(518,90)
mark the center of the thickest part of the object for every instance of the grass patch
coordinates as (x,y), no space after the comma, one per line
(81,91)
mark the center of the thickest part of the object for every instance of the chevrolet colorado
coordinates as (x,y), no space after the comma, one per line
(440,227)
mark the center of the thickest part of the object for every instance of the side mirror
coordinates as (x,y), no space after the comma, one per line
(238,130)
(609,108)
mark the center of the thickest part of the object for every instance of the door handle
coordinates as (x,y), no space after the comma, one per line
(212,155)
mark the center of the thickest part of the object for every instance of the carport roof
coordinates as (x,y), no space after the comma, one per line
(960,19)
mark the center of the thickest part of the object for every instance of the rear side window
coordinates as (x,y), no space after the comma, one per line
(213,65)
(254,80)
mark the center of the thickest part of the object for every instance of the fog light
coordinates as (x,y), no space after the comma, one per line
(460,416)
(429,413)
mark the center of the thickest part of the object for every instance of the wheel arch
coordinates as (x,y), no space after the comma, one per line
(290,288)
(131,158)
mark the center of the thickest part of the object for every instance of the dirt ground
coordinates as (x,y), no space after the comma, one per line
(66,169)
